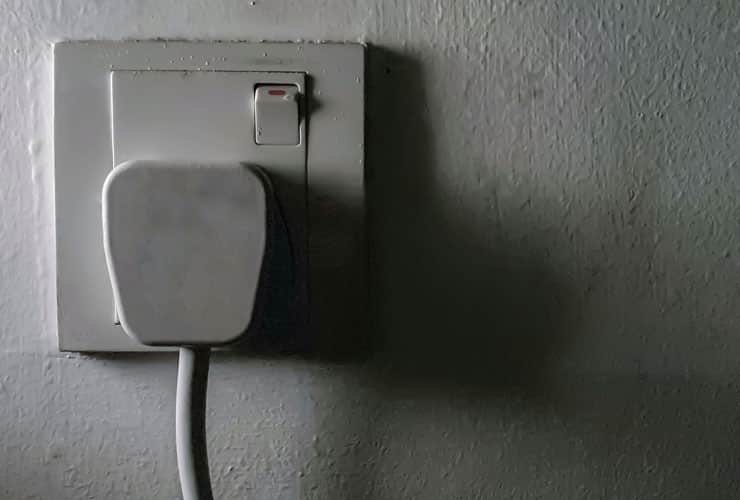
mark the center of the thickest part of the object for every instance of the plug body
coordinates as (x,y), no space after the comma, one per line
(184,245)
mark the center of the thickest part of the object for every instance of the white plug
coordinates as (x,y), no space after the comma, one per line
(184,244)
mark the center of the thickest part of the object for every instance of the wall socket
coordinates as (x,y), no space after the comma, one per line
(114,101)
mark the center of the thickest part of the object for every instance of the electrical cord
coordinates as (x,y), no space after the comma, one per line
(190,420)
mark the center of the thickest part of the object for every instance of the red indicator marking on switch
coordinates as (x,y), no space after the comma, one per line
(276,92)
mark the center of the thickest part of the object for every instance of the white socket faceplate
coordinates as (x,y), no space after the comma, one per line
(193,101)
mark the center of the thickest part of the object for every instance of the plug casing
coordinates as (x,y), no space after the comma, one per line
(184,245)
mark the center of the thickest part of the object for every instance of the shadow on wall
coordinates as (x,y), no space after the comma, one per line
(471,317)
(456,301)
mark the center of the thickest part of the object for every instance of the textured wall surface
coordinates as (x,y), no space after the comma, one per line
(555,252)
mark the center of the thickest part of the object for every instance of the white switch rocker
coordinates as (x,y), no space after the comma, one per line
(276,115)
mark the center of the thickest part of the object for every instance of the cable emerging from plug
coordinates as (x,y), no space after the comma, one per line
(190,423)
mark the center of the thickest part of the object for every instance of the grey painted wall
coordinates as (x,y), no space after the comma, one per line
(554,240)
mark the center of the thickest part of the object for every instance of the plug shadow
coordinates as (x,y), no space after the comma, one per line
(312,298)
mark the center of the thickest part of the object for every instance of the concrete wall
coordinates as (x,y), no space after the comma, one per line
(555,252)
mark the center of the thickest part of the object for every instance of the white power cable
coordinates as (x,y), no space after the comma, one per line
(190,419)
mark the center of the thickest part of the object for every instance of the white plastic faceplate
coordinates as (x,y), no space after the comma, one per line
(191,101)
